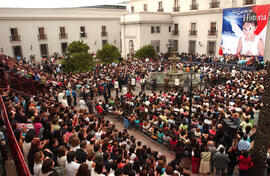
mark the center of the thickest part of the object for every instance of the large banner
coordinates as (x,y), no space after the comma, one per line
(244,30)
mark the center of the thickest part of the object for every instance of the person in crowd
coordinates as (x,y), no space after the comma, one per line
(47,168)
(163,116)
(244,163)
(83,170)
(205,161)
(196,154)
(61,159)
(38,159)
(232,154)
(71,164)
(220,161)
(27,143)
(244,144)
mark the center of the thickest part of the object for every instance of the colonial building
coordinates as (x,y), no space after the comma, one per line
(192,26)
(43,32)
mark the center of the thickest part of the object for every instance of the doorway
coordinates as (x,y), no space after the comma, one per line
(64,47)
(17,51)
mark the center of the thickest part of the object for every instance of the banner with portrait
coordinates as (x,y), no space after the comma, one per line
(244,30)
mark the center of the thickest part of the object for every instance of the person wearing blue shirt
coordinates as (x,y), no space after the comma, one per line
(68,97)
(74,95)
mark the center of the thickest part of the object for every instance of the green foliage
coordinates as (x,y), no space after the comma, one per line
(77,47)
(147,51)
(78,59)
(108,53)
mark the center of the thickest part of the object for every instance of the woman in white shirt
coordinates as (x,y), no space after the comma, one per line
(27,144)
(38,158)
(61,159)
(71,165)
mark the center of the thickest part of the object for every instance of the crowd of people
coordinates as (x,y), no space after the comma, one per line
(254,62)
(62,131)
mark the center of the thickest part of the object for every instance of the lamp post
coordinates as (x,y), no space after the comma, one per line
(188,88)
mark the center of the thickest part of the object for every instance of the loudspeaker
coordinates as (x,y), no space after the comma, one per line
(229,128)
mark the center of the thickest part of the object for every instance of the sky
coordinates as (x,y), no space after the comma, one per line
(54,3)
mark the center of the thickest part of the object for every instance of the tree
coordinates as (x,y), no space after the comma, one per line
(147,51)
(77,47)
(78,58)
(108,53)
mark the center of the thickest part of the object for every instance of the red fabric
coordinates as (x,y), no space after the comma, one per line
(129,95)
(173,144)
(99,110)
(244,163)
(195,165)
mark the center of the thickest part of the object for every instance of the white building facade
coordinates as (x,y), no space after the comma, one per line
(189,26)
(43,32)
(186,26)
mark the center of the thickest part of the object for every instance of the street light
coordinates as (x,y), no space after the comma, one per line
(187,86)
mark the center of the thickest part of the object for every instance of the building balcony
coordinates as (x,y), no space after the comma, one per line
(104,34)
(176,32)
(82,35)
(42,36)
(176,9)
(63,36)
(158,30)
(214,4)
(160,10)
(194,6)
(193,33)
(212,33)
(15,38)
(249,2)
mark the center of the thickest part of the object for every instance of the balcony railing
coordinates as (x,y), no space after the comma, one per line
(83,34)
(42,37)
(249,2)
(176,32)
(104,34)
(14,38)
(14,147)
(212,33)
(63,36)
(194,7)
(176,9)
(214,4)
(160,10)
(193,32)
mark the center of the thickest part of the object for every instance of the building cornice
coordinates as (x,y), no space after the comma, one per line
(147,22)
(59,18)
(151,13)
(197,12)
(63,9)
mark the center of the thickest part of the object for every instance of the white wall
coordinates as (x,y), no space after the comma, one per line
(185,4)
(202,26)
(202,17)
(137,27)
(27,21)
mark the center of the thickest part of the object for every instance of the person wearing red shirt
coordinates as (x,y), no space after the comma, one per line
(99,109)
(244,164)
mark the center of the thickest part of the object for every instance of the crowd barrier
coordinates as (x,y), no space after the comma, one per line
(15,150)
